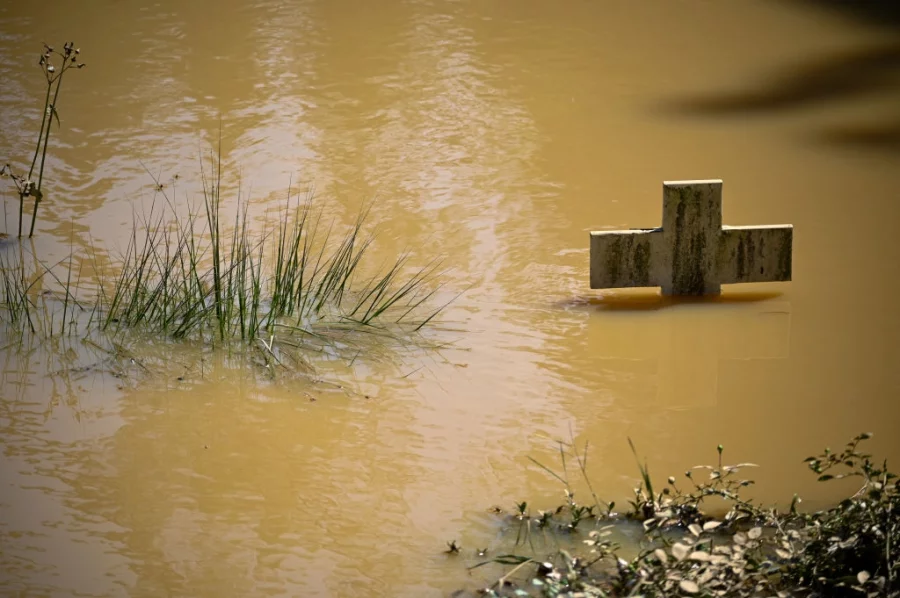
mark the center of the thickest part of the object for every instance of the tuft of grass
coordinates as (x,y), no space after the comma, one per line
(29,306)
(199,276)
(193,276)
(17,300)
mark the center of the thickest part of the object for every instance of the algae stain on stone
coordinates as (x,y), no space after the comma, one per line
(676,253)
(695,282)
(784,259)
(642,265)
(614,259)
(688,268)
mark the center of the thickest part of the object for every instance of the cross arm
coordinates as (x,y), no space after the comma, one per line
(629,258)
(755,253)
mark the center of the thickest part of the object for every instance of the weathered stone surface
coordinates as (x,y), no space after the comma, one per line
(624,258)
(692,254)
(692,221)
(755,253)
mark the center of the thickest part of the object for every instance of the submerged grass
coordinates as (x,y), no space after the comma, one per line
(195,276)
(682,547)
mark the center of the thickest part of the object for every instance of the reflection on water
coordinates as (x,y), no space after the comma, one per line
(689,343)
(490,134)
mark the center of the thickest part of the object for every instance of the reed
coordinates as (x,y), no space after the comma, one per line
(54,65)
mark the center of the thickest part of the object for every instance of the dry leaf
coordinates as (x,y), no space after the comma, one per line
(710,525)
(699,555)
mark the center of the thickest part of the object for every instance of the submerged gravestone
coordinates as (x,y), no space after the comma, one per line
(692,253)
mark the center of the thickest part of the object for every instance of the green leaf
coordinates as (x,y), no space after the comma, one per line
(825,477)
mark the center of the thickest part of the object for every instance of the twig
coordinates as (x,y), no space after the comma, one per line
(502,581)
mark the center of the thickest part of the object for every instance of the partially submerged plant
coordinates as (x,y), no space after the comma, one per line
(54,65)
(852,549)
(197,277)
(848,550)
(676,506)
(299,285)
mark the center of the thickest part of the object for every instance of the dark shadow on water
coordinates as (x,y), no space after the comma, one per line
(885,137)
(861,72)
(878,13)
(871,70)
(650,300)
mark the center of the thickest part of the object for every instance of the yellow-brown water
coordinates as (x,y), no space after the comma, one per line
(495,134)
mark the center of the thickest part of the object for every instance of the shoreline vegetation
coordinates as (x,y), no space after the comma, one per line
(686,547)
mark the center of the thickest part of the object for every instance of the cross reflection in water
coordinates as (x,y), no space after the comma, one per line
(690,338)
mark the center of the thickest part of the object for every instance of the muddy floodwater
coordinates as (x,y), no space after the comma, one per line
(494,135)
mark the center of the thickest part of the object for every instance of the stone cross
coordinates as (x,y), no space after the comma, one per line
(692,254)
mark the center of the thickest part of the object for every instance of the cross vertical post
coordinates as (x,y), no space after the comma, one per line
(692,221)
